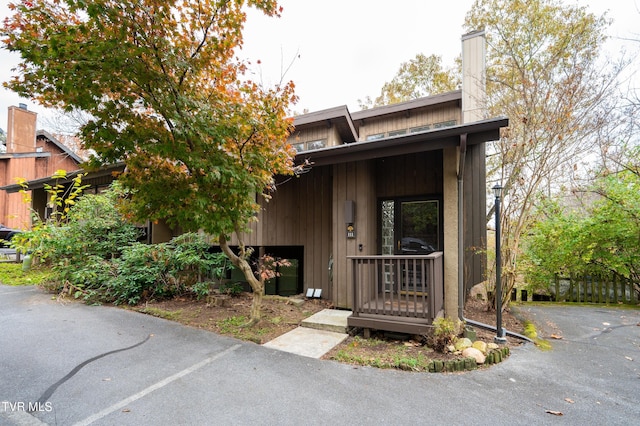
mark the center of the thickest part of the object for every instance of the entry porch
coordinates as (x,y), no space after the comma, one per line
(400,293)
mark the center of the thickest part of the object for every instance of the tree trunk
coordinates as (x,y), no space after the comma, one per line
(240,261)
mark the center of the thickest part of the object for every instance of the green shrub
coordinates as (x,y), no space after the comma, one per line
(142,272)
(93,253)
(232,289)
(201,289)
(444,332)
(192,260)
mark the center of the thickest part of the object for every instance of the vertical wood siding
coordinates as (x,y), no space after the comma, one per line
(475,211)
(415,119)
(300,214)
(356,182)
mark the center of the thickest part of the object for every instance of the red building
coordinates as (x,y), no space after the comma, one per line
(30,154)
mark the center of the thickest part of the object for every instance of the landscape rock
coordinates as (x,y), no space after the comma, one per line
(462,344)
(475,354)
(480,345)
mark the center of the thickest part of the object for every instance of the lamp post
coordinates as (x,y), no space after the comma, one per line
(500,332)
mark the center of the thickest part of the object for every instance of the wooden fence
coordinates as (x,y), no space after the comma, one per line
(595,289)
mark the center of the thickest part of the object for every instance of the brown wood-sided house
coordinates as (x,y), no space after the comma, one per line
(29,155)
(388,219)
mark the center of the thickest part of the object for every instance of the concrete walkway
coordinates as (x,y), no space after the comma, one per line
(316,336)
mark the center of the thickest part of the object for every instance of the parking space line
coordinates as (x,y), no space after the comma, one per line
(162,383)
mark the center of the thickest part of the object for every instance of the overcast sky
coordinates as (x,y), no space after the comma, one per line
(344,50)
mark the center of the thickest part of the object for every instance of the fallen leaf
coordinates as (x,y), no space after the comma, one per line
(556,336)
(126,410)
(605,323)
(569,400)
(555,413)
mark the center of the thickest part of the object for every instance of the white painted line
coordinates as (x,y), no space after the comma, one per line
(162,383)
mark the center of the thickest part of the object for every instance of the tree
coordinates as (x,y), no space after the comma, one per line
(167,95)
(544,73)
(599,238)
(421,76)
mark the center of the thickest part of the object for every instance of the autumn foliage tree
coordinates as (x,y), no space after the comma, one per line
(421,76)
(166,94)
(545,72)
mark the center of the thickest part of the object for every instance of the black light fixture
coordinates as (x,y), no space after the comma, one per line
(500,332)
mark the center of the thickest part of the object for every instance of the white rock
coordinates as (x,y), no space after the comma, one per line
(475,354)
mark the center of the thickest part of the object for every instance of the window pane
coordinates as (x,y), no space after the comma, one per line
(375,137)
(419,227)
(316,144)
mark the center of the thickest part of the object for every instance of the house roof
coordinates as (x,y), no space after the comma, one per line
(337,116)
(92,177)
(348,124)
(477,132)
(406,107)
(59,144)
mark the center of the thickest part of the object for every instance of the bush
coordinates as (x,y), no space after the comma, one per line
(94,255)
(192,260)
(443,334)
(164,270)
(231,289)
(141,272)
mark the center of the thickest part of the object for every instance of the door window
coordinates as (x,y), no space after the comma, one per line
(410,226)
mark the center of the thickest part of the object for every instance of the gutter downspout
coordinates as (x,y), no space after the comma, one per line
(463,154)
(461,164)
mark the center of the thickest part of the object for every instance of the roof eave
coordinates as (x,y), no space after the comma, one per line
(477,132)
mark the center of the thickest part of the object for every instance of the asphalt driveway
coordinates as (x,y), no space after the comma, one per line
(66,364)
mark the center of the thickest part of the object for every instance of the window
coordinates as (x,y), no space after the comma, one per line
(442,124)
(375,137)
(420,129)
(410,226)
(397,132)
(308,146)
(316,144)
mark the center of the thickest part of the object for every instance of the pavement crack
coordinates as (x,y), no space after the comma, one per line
(47,394)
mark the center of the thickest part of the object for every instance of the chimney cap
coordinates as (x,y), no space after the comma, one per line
(22,105)
(472,34)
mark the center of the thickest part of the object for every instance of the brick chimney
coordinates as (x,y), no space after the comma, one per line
(21,129)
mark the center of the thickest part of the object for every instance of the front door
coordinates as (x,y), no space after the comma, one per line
(408,227)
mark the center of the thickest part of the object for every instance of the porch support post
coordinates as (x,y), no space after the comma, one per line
(450,225)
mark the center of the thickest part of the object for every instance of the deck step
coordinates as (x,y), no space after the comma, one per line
(329,320)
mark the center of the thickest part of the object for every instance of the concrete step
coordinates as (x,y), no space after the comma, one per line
(316,335)
(329,320)
(307,342)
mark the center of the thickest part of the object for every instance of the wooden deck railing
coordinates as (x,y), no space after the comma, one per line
(397,293)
